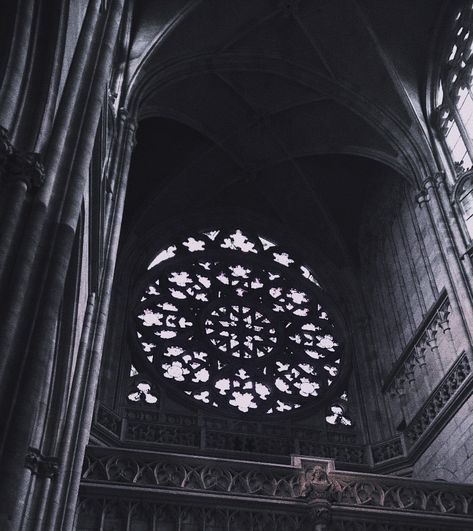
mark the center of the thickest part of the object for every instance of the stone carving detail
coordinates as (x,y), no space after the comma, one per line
(25,167)
(414,359)
(17,165)
(109,420)
(447,388)
(161,433)
(242,442)
(117,514)
(141,515)
(387,450)
(133,470)
(41,465)
(143,426)
(423,196)
(342,453)
(316,483)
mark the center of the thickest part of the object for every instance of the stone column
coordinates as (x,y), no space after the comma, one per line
(16,69)
(47,244)
(22,172)
(81,406)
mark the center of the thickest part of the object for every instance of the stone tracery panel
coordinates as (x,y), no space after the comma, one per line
(234,321)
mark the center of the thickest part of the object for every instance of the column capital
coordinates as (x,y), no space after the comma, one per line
(41,465)
(25,167)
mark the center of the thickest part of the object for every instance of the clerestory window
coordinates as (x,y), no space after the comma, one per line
(455,110)
(229,320)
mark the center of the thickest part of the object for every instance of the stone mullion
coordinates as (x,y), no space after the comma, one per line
(80,112)
(79,416)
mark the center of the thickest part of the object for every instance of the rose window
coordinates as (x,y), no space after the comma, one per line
(231,320)
(240,331)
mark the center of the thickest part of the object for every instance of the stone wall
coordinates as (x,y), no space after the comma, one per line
(449,457)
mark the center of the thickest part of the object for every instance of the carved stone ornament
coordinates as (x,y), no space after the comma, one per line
(17,165)
(26,167)
(422,197)
(41,465)
(317,484)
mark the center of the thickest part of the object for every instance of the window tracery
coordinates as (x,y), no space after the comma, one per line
(338,413)
(464,198)
(233,321)
(455,109)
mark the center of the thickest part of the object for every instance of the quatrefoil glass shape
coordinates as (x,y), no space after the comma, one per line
(231,320)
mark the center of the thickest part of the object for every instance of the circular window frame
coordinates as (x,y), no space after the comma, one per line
(308,406)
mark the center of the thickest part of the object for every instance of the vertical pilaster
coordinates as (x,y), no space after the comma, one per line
(435,199)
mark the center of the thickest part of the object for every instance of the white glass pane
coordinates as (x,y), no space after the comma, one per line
(467,204)
(469,226)
(455,143)
(466,111)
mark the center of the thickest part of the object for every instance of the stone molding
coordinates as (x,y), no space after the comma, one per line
(439,399)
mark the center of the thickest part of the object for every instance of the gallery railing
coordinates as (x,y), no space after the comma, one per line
(197,491)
